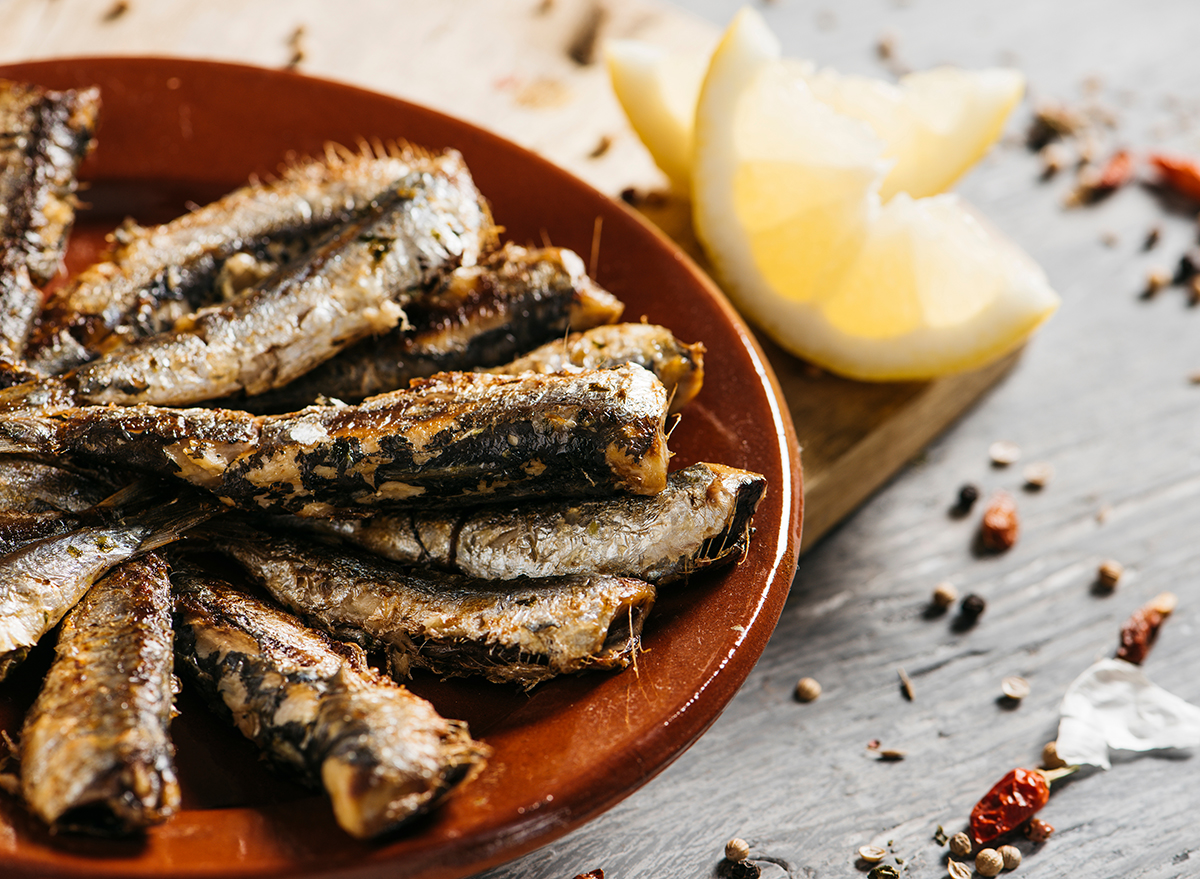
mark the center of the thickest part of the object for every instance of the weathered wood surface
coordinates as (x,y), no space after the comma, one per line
(1102,393)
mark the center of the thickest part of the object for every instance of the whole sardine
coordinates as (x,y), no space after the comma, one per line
(39,500)
(679,366)
(154,275)
(96,756)
(357,282)
(42,580)
(508,631)
(43,137)
(699,520)
(481,315)
(314,706)
(452,437)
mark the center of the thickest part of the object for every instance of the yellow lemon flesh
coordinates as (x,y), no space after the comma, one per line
(786,201)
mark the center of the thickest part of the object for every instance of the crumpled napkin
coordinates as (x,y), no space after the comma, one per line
(1114,705)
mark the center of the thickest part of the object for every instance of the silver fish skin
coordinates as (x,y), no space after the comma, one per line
(96,754)
(354,284)
(154,275)
(451,438)
(481,315)
(522,632)
(44,135)
(42,580)
(679,366)
(316,707)
(700,520)
(39,500)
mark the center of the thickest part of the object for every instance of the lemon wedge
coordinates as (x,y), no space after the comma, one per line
(786,202)
(935,124)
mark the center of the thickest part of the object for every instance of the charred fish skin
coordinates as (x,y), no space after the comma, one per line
(522,632)
(483,315)
(96,755)
(679,366)
(137,288)
(355,283)
(42,580)
(316,707)
(700,520)
(32,486)
(44,135)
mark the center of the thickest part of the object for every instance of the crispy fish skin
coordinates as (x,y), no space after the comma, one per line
(42,580)
(508,631)
(315,706)
(43,137)
(355,283)
(679,366)
(136,289)
(453,437)
(699,520)
(39,500)
(481,315)
(96,756)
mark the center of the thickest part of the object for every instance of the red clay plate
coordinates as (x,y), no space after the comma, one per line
(174,132)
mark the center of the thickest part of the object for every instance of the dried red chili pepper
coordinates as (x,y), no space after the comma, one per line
(1182,175)
(1117,171)
(1141,630)
(1011,802)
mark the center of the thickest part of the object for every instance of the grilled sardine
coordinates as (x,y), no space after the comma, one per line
(679,366)
(43,137)
(352,285)
(452,437)
(314,706)
(155,275)
(42,580)
(508,631)
(699,520)
(39,500)
(481,315)
(96,756)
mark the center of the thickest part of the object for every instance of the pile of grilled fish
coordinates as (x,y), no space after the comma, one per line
(325,416)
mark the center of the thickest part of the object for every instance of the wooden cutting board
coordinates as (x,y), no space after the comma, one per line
(532,71)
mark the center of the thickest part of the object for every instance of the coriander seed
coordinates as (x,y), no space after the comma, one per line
(872,854)
(1038,474)
(989,862)
(737,849)
(1003,453)
(960,844)
(944,594)
(1015,687)
(807,689)
(1109,573)
(1050,758)
(958,870)
(1011,855)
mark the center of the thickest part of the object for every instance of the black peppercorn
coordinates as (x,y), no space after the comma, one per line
(972,606)
(967,495)
(741,870)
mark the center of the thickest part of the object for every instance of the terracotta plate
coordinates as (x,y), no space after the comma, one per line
(175,132)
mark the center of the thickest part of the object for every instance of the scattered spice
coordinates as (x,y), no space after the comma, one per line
(1003,453)
(807,689)
(1179,173)
(1152,238)
(1011,856)
(871,853)
(1015,687)
(885,47)
(1039,830)
(1156,279)
(592,874)
(1050,758)
(958,870)
(743,870)
(1011,801)
(891,755)
(1188,266)
(1193,289)
(939,836)
(1109,239)
(119,8)
(883,871)
(873,745)
(1054,158)
(737,849)
(944,594)
(1000,525)
(601,146)
(1194,378)
(989,862)
(972,606)
(1117,171)
(1038,474)
(906,685)
(582,48)
(960,844)
(1109,573)
(296,42)
(967,495)
(1052,121)
(1141,630)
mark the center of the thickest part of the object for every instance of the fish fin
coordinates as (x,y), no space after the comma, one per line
(169,522)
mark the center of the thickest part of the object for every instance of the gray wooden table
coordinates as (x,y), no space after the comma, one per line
(1103,394)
